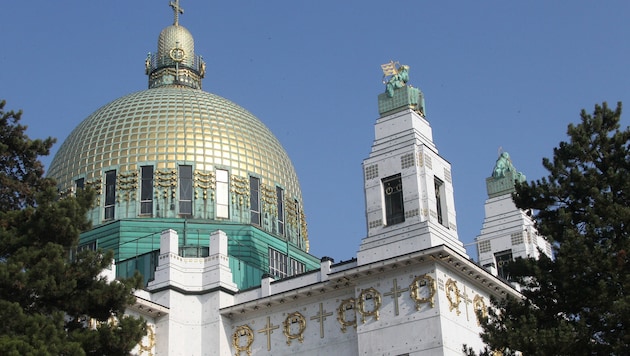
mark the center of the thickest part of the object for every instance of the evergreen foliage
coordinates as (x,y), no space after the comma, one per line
(577,303)
(52,300)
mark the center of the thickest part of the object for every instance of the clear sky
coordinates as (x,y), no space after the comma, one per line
(495,74)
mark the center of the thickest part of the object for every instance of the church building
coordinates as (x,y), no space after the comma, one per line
(199,196)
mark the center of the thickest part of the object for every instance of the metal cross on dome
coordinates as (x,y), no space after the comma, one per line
(177,10)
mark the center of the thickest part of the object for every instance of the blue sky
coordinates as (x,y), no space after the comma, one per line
(509,74)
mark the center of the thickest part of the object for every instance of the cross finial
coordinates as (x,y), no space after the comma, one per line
(177,10)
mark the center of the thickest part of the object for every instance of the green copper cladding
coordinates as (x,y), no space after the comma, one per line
(403,98)
(136,244)
(504,176)
(398,95)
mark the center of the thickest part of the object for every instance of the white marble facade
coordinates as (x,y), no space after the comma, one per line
(412,290)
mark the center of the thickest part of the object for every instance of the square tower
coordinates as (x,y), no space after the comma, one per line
(408,186)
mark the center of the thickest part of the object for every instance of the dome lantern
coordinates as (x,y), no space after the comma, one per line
(175,62)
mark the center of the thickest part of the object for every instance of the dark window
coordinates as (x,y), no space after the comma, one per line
(394,204)
(439,200)
(254,200)
(185,190)
(110,194)
(146,190)
(87,246)
(280,197)
(79,183)
(503,258)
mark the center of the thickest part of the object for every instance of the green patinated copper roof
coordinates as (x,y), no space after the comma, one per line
(504,177)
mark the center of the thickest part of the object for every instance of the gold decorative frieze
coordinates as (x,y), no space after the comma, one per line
(165,183)
(127,186)
(294,326)
(296,219)
(369,303)
(97,185)
(204,182)
(452,295)
(422,290)
(292,211)
(347,308)
(240,188)
(269,198)
(242,340)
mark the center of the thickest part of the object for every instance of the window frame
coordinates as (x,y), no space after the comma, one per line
(146,189)
(185,190)
(109,203)
(393,200)
(222,194)
(278,263)
(280,210)
(254,201)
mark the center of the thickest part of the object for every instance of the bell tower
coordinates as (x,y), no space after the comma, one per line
(408,186)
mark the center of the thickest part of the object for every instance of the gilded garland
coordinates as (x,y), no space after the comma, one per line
(294,318)
(241,332)
(452,295)
(344,307)
(424,281)
(373,295)
(479,306)
(150,341)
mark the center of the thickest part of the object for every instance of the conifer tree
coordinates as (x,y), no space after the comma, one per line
(52,300)
(579,302)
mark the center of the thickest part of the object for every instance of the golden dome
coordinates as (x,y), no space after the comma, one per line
(168,126)
(174,125)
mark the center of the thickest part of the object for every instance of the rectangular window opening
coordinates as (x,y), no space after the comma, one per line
(297,267)
(440,201)
(110,194)
(502,258)
(280,198)
(394,203)
(79,183)
(254,200)
(223,194)
(185,190)
(146,190)
(277,263)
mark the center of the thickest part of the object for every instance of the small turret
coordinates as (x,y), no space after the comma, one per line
(175,62)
